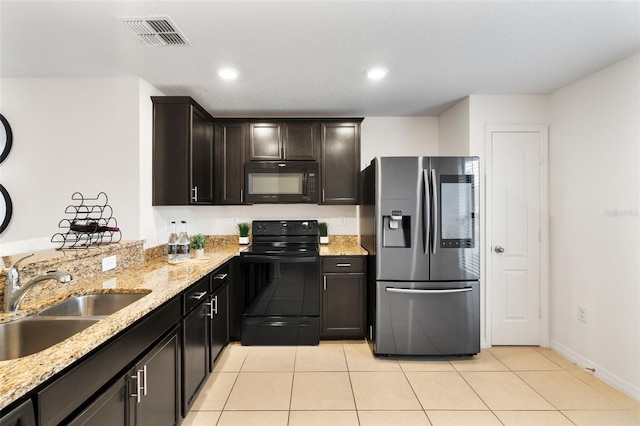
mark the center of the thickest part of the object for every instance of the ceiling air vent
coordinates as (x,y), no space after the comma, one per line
(155,31)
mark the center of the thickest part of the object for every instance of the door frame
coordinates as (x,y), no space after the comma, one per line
(543,162)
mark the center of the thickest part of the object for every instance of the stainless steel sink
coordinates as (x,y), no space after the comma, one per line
(34,334)
(92,305)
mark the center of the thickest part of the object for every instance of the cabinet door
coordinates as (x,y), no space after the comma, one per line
(340,162)
(343,305)
(111,408)
(219,322)
(201,159)
(265,141)
(229,162)
(299,141)
(195,354)
(170,153)
(159,404)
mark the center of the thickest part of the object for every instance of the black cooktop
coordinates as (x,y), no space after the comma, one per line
(284,237)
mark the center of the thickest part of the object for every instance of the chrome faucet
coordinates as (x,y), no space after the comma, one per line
(14,292)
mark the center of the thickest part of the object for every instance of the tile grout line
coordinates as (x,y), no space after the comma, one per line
(515,373)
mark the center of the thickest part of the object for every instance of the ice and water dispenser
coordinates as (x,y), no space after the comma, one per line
(396,229)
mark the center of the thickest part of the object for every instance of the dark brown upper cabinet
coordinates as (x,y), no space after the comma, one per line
(340,161)
(183,152)
(295,140)
(229,162)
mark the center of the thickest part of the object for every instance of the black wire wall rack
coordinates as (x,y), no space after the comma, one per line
(89,223)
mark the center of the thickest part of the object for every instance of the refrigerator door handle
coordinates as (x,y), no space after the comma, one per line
(426,213)
(414,291)
(434,191)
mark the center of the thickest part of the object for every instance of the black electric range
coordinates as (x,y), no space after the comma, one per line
(281,278)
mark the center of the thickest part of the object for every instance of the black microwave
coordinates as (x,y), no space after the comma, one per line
(281,182)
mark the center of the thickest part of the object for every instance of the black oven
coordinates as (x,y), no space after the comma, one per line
(281,181)
(281,278)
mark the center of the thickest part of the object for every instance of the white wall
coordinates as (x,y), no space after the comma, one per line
(453,129)
(595,229)
(69,135)
(398,136)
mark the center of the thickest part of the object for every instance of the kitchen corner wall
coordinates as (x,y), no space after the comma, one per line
(595,224)
(79,134)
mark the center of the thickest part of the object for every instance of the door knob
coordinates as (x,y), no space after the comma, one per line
(498,249)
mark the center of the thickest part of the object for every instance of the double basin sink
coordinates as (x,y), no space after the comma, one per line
(35,333)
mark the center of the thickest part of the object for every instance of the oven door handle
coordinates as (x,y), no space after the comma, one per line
(418,291)
(279,257)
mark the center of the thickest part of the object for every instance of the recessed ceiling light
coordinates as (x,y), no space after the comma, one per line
(227,73)
(376,73)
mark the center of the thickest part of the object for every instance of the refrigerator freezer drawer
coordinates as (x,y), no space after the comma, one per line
(423,318)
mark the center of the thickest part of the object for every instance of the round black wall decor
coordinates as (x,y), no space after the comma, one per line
(6,138)
(6,209)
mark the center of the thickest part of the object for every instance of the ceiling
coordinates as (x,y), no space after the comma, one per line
(307,58)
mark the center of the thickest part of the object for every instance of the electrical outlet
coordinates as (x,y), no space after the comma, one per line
(109,263)
(343,220)
(582,314)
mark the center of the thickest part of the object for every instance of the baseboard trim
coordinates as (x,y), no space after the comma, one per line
(600,372)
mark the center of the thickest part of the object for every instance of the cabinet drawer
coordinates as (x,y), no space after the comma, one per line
(219,277)
(195,294)
(347,265)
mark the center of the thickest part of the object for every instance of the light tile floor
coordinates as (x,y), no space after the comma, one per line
(343,383)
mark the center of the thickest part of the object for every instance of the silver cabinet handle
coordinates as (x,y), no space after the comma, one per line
(412,291)
(194,198)
(343,265)
(199,296)
(138,379)
(213,307)
(241,196)
(323,195)
(324,285)
(220,277)
(498,249)
(144,380)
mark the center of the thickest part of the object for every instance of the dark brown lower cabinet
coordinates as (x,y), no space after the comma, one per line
(219,314)
(111,408)
(343,297)
(146,394)
(160,374)
(195,342)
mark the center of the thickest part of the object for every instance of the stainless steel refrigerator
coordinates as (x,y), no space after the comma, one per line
(419,221)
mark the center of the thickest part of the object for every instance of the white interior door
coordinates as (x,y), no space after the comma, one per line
(515,235)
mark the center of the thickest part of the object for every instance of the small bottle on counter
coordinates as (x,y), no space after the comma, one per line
(172,245)
(183,243)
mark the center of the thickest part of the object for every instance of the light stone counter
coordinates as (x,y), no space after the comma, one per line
(342,245)
(20,376)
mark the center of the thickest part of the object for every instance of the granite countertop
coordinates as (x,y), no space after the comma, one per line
(20,376)
(342,245)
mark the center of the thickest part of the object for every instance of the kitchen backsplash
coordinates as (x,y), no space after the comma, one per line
(84,265)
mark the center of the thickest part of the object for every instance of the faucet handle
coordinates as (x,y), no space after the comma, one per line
(17,262)
(13,274)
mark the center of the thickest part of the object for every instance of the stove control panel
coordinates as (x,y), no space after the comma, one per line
(285,227)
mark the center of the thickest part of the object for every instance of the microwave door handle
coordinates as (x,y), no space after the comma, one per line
(426,216)
(434,192)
